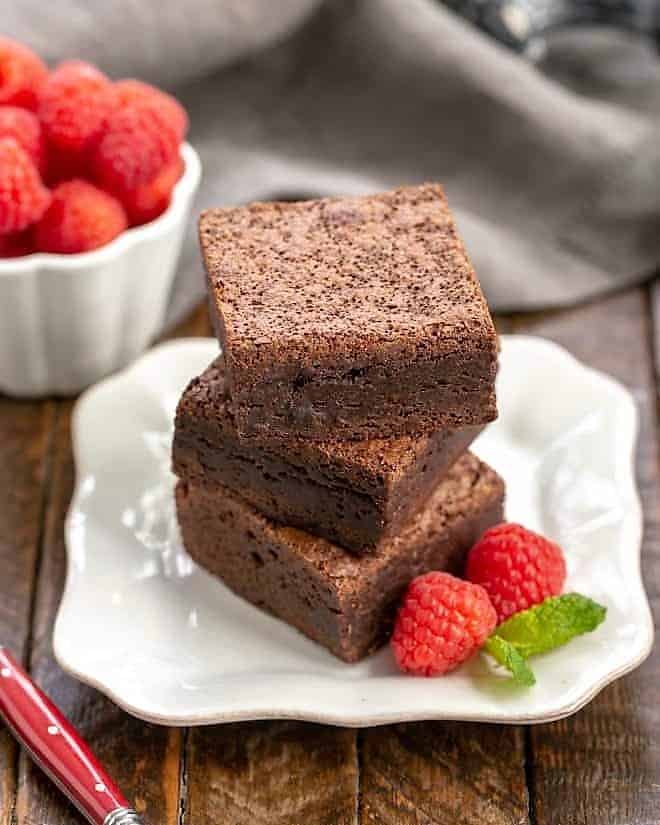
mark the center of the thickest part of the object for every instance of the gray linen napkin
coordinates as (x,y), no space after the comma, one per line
(553,169)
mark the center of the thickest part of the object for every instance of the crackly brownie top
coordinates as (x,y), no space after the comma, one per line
(338,275)
(205,400)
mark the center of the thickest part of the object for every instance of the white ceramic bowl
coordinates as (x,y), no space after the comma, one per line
(68,320)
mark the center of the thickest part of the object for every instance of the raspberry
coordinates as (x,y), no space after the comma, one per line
(63,165)
(16,244)
(74,103)
(21,74)
(517,568)
(25,128)
(80,218)
(441,622)
(135,91)
(138,143)
(23,197)
(151,199)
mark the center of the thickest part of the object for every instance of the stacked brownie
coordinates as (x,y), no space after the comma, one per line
(322,458)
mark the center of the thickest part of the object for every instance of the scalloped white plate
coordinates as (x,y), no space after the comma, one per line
(170,644)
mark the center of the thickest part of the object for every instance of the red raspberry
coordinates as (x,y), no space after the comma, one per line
(16,244)
(150,200)
(21,74)
(63,165)
(80,218)
(23,197)
(26,130)
(74,103)
(138,143)
(517,568)
(135,91)
(441,622)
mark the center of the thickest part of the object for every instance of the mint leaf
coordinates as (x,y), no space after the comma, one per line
(506,655)
(551,624)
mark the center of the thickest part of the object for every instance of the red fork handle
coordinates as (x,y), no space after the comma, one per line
(57,748)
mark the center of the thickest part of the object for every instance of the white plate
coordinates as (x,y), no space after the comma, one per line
(171,644)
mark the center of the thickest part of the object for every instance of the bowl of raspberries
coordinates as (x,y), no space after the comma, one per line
(96,188)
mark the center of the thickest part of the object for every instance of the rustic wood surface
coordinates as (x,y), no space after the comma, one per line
(601,766)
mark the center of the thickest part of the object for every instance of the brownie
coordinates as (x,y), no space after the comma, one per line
(350,492)
(340,600)
(357,316)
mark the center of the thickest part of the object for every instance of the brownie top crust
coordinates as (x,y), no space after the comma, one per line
(343,280)
(384,461)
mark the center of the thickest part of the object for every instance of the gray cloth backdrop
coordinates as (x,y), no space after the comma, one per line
(553,169)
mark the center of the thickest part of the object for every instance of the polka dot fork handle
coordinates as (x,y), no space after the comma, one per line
(57,748)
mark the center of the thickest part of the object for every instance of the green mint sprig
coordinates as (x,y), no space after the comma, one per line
(543,627)
(552,623)
(506,655)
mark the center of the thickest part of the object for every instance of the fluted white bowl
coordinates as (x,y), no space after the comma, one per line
(68,320)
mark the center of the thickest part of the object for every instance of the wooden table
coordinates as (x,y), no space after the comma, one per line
(602,766)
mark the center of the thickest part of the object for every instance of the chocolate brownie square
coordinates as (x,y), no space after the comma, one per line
(350,492)
(360,317)
(340,600)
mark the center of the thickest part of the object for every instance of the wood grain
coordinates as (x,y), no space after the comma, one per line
(143,759)
(443,774)
(25,434)
(603,765)
(272,773)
